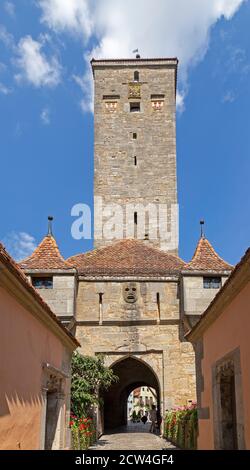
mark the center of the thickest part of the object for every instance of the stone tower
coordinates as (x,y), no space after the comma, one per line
(135,151)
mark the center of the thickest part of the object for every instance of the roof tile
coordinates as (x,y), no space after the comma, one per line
(46,256)
(206,259)
(125,258)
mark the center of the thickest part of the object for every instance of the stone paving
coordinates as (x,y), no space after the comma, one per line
(132,437)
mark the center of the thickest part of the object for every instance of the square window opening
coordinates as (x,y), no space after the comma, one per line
(42,282)
(212,282)
(135,107)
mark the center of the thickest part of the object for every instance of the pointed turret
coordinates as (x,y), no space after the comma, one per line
(205,257)
(46,256)
(54,277)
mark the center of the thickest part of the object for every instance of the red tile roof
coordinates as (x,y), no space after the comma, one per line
(13,267)
(206,259)
(46,256)
(127,258)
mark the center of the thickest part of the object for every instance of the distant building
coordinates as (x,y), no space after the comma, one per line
(222,346)
(141,400)
(35,351)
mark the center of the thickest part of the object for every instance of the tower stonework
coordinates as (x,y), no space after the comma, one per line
(135,148)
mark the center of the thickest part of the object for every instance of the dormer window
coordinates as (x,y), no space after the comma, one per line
(42,282)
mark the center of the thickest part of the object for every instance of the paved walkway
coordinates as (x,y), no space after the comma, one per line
(132,437)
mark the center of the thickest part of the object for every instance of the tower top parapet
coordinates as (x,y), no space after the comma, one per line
(142,62)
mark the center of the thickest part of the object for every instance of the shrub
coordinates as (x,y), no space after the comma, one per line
(82,432)
(181,425)
(89,378)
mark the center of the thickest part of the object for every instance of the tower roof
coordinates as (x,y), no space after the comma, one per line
(127,258)
(206,259)
(46,257)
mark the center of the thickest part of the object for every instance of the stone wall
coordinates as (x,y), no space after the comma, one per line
(115,308)
(195,298)
(135,330)
(61,298)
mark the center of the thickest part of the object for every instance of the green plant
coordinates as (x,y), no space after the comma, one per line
(89,378)
(134,416)
(181,426)
(82,432)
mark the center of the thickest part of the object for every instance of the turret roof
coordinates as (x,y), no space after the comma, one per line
(46,257)
(206,259)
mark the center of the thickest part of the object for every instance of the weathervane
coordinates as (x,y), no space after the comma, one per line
(50,219)
(136,51)
(202,222)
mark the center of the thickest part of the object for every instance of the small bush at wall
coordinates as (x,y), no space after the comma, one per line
(181,425)
(82,433)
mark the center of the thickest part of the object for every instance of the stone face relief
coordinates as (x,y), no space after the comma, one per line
(130,292)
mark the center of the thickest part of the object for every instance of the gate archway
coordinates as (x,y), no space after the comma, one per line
(132,373)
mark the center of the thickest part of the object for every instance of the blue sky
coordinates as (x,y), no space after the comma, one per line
(46,130)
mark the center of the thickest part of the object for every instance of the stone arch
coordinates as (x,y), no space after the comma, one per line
(133,372)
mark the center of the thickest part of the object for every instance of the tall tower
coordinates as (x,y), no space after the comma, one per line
(135,151)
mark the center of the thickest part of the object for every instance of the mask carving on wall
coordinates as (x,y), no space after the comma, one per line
(130,292)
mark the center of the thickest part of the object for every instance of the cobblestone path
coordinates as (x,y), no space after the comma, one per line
(132,437)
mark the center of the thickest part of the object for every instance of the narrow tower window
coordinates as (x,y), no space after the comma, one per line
(134,135)
(135,161)
(135,224)
(100,308)
(158,307)
(136,76)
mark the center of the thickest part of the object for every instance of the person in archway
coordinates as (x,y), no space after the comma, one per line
(153,418)
(144,418)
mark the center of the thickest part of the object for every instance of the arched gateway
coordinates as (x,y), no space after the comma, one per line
(132,373)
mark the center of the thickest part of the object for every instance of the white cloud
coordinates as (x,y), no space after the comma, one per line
(4,89)
(85,82)
(45,116)
(229,97)
(64,15)
(34,66)
(157,27)
(20,245)
(9,8)
(180,105)
(6,38)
